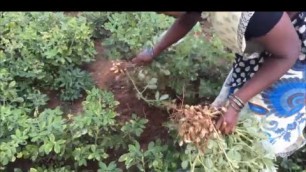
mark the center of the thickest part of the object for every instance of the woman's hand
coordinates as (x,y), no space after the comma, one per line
(227,123)
(143,58)
(182,25)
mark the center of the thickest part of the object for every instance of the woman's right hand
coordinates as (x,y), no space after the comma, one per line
(145,57)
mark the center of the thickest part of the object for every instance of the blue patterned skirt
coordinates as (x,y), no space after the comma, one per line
(281,107)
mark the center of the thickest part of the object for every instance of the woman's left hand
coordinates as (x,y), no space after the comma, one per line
(227,123)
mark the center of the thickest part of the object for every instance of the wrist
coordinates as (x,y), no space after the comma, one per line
(156,50)
(235,103)
(233,111)
(232,107)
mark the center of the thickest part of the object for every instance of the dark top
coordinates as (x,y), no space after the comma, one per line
(261,23)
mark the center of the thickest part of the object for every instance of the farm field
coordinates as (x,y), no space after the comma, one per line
(71,100)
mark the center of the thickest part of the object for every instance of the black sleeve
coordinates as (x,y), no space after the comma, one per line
(261,23)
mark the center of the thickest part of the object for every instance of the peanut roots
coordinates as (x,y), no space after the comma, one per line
(196,124)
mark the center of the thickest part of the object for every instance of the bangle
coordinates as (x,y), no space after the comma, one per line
(237,98)
(237,109)
(238,102)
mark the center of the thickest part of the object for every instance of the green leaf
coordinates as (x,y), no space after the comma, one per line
(211,144)
(19,99)
(153,81)
(209,163)
(13,159)
(5,161)
(141,76)
(234,155)
(156,95)
(166,72)
(152,87)
(123,158)
(12,84)
(140,167)
(184,164)
(60,142)
(18,133)
(155,163)
(90,156)
(52,138)
(33,170)
(112,165)
(102,165)
(48,148)
(57,148)
(19,155)
(164,97)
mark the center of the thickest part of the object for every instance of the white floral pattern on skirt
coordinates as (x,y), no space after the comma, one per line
(281,107)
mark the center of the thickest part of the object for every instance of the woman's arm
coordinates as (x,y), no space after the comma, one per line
(284,45)
(178,30)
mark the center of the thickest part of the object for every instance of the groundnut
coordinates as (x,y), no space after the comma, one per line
(192,108)
(199,113)
(196,123)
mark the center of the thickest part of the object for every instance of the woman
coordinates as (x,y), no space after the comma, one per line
(269,72)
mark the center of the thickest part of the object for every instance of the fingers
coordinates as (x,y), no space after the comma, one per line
(224,127)
(227,130)
(219,123)
(230,129)
(233,129)
(138,62)
(133,60)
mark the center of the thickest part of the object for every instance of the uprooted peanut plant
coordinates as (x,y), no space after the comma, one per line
(209,150)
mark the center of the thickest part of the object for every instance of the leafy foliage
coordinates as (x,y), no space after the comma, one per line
(189,64)
(35,46)
(157,157)
(111,167)
(131,31)
(48,135)
(295,162)
(96,21)
(240,151)
(134,126)
(39,51)
(72,82)
(47,169)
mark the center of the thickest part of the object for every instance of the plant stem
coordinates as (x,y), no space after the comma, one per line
(244,144)
(137,90)
(221,147)
(143,163)
(97,136)
(194,163)
(144,89)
